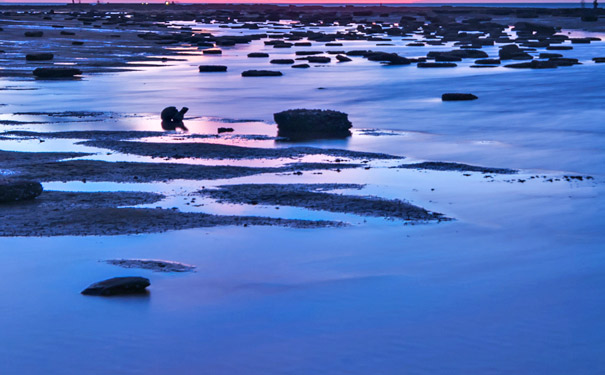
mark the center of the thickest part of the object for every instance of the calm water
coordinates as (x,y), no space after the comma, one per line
(513,286)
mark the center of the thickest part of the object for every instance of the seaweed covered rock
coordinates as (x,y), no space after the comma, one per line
(19,190)
(312,123)
(118,286)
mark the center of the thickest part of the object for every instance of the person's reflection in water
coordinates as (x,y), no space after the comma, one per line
(172,118)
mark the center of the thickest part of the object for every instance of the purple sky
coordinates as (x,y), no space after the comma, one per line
(306,1)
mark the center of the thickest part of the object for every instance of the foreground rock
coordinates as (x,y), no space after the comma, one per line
(450,97)
(19,190)
(152,264)
(57,72)
(118,286)
(312,123)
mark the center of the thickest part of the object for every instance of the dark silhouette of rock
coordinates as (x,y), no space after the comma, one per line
(77,43)
(67,33)
(318,59)
(449,97)
(212,52)
(172,118)
(56,72)
(224,130)
(258,54)
(301,66)
(436,65)
(212,68)
(18,190)
(312,123)
(534,64)
(34,34)
(43,56)
(282,61)
(513,52)
(598,60)
(342,58)
(261,73)
(487,62)
(118,286)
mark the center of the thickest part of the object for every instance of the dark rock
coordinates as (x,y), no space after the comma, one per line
(301,66)
(312,123)
(258,54)
(318,59)
(282,61)
(559,48)
(212,68)
(43,56)
(56,72)
(563,61)
(67,33)
(390,58)
(308,53)
(261,73)
(488,62)
(212,52)
(342,58)
(118,286)
(77,43)
(535,64)
(545,55)
(152,264)
(436,65)
(448,97)
(172,118)
(33,34)
(18,190)
(599,60)
(224,130)
(513,52)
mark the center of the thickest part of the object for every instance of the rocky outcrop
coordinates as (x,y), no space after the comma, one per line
(118,286)
(19,190)
(312,123)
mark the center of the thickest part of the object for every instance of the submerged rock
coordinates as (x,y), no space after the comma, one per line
(449,97)
(56,72)
(312,123)
(19,190)
(152,264)
(118,286)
